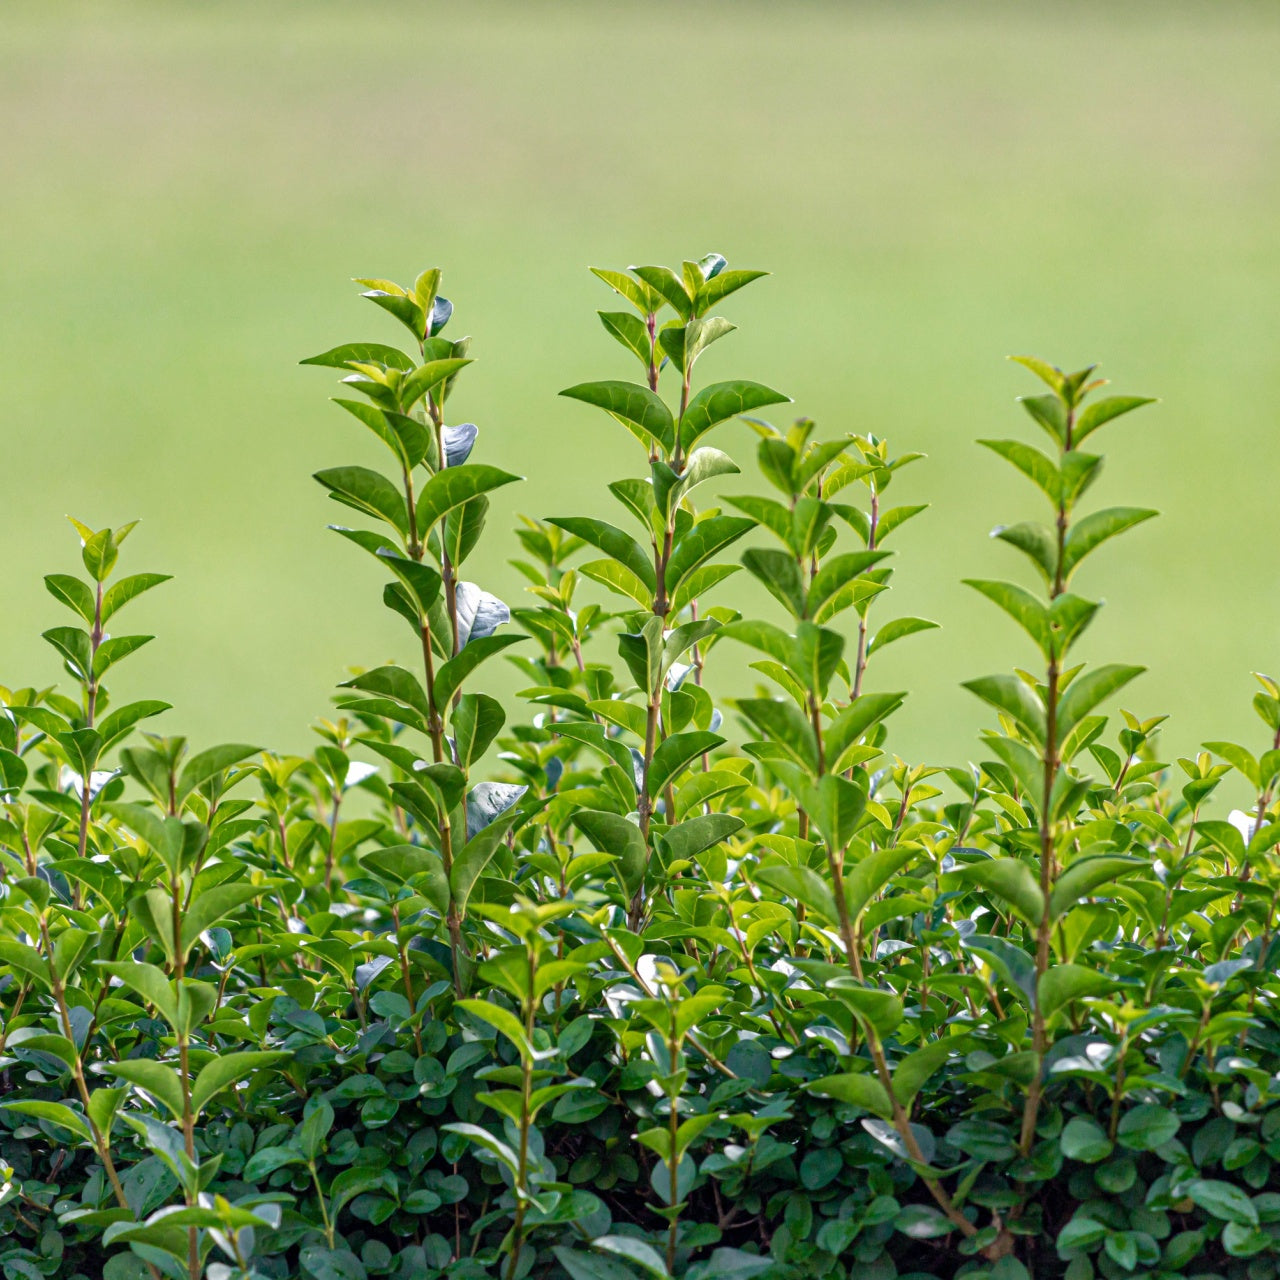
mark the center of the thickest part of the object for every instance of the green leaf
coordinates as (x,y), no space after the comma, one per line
(1080,1234)
(664,282)
(75,646)
(1047,412)
(1090,688)
(645,1257)
(159,1081)
(609,573)
(1027,611)
(392,298)
(362,353)
(394,682)
(882,1011)
(674,753)
(700,466)
(896,517)
(698,834)
(453,486)
(1147,1127)
(641,296)
(26,961)
(113,650)
(421,581)
(914,1071)
(712,291)
(629,330)
(839,571)
(780,574)
(613,542)
(629,403)
(922,1222)
(212,905)
(228,1069)
(206,765)
(584,1266)
(1012,880)
(1103,411)
(1033,464)
(405,862)
(53,1112)
(720,401)
(476,854)
(117,723)
(898,629)
(705,539)
(612,833)
(1223,1200)
(785,725)
(428,377)
(1084,1139)
(367,491)
(501,1019)
(835,807)
(817,651)
(851,723)
(76,595)
(803,884)
(451,674)
(150,982)
(857,1089)
(1011,963)
(1063,983)
(1047,373)
(118,595)
(101,550)
(1012,696)
(1238,758)
(871,874)
(1085,875)
(764,636)
(1036,542)
(477,720)
(1095,529)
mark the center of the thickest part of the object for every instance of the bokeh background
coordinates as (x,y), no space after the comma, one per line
(185,190)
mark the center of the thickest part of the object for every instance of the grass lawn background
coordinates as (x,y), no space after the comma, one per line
(184,191)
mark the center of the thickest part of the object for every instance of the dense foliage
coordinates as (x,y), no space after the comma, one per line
(638,981)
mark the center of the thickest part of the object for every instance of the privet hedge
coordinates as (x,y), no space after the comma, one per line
(633,978)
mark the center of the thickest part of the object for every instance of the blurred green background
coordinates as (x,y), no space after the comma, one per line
(186,189)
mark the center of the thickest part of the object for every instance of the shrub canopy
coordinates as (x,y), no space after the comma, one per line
(640,976)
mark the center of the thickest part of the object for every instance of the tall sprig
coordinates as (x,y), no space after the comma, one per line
(1046,721)
(669,568)
(431,512)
